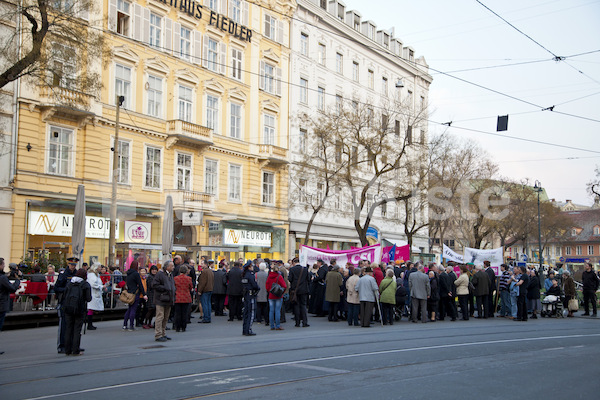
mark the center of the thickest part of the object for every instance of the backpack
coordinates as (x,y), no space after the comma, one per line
(73,303)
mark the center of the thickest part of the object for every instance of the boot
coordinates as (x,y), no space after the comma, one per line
(90,327)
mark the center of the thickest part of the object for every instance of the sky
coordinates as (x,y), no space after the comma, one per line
(462,34)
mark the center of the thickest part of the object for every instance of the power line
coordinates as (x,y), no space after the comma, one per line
(546,159)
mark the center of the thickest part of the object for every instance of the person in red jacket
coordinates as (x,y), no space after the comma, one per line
(275,301)
(183,299)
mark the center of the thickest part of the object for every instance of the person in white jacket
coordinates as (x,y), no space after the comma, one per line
(93,278)
(367,290)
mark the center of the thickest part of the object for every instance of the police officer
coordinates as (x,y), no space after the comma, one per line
(60,288)
(251,289)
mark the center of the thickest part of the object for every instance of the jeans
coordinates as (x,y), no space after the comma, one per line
(275,312)
(130,313)
(353,310)
(513,305)
(505,303)
(206,305)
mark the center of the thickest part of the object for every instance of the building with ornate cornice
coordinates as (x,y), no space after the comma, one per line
(204,119)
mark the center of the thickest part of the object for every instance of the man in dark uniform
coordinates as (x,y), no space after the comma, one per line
(251,289)
(492,276)
(60,288)
(235,291)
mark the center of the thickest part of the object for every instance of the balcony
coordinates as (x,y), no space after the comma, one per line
(64,102)
(188,134)
(191,201)
(271,155)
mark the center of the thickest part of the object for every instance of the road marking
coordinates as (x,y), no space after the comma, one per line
(309,360)
(322,369)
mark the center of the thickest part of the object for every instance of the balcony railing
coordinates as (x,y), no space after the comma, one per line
(188,133)
(190,200)
(272,154)
(66,97)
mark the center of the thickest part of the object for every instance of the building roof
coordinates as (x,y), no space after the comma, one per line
(585,220)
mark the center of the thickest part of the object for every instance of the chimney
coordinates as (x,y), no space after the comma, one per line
(568,201)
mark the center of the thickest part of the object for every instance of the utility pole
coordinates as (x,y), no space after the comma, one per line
(115,175)
(538,189)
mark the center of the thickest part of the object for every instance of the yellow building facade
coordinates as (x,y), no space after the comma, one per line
(204,119)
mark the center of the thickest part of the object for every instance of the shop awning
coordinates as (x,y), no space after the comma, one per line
(95,207)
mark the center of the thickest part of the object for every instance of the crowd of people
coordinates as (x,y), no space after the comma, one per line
(264,291)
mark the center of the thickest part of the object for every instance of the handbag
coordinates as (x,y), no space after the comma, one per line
(277,290)
(126,297)
(573,305)
(165,296)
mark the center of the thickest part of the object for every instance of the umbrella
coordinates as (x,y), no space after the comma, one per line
(167,230)
(78,233)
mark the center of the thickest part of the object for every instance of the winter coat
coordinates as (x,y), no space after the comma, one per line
(352,296)
(569,286)
(235,287)
(220,281)
(6,288)
(164,289)
(86,292)
(533,288)
(274,277)
(367,288)
(134,282)
(387,288)
(378,275)
(206,282)
(97,304)
(261,279)
(150,290)
(481,281)
(183,289)
(589,280)
(419,285)
(299,279)
(462,285)
(445,285)
(435,290)
(333,282)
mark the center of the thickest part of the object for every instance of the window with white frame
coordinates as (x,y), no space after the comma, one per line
(212,54)
(304,44)
(573,232)
(64,65)
(123,162)
(268,129)
(303,91)
(123,84)
(236,10)
(303,198)
(578,250)
(184,171)
(60,151)
(123,18)
(154,94)
(371,79)
(302,134)
(153,167)
(320,193)
(355,71)
(186,103)
(321,98)
(590,250)
(557,251)
(597,231)
(270,78)
(185,43)
(339,63)
(212,4)
(211,175)
(268,188)
(236,64)
(212,112)
(270,27)
(155,30)
(568,250)
(235,183)
(339,103)
(235,124)
(322,54)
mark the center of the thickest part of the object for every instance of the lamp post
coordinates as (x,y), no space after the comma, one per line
(115,178)
(538,188)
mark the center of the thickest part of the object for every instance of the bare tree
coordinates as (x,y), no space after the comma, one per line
(594,185)
(53,43)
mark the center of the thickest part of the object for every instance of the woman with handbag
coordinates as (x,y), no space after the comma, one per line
(387,290)
(462,290)
(275,296)
(570,294)
(134,286)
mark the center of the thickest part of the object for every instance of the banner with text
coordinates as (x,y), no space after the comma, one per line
(477,257)
(451,255)
(310,255)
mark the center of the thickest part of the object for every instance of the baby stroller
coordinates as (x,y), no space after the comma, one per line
(401,309)
(552,306)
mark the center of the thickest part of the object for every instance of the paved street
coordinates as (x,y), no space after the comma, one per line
(487,359)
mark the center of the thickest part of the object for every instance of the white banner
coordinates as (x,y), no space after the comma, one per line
(137,232)
(246,238)
(55,224)
(309,255)
(451,255)
(477,257)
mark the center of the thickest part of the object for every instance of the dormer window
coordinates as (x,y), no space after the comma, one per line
(574,232)
(597,231)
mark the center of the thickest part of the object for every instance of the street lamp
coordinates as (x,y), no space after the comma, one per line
(538,188)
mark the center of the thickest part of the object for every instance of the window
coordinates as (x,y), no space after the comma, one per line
(321,98)
(596,230)
(235,126)
(303,91)
(397,128)
(184,171)
(302,140)
(568,250)
(185,103)
(355,71)
(123,84)
(212,55)
(268,193)
(155,30)
(557,251)
(384,210)
(573,232)
(338,151)
(60,151)
(153,163)
(411,55)
(384,122)
(384,86)
(354,155)
(321,55)
(123,17)
(185,43)
(64,64)
(422,102)
(212,112)
(410,99)
(235,183)
(371,32)
(302,190)
(270,27)
(236,64)
(339,63)
(270,78)
(123,162)
(578,250)
(590,250)
(304,44)
(212,4)
(269,129)
(409,135)
(210,176)
(339,103)
(236,10)
(371,79)
(154,96)
(319,194)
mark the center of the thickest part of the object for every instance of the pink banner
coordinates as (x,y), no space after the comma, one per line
(402,253)
(310,255)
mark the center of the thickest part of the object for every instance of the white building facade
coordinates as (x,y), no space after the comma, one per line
(338,57)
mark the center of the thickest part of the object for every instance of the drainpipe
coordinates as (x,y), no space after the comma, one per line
(25,244)
(15,127)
